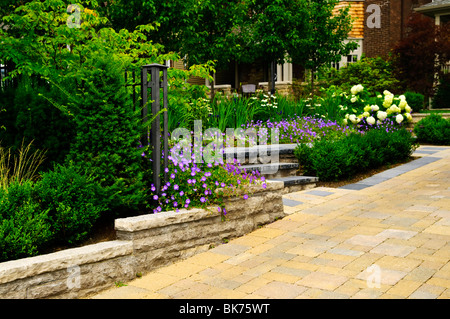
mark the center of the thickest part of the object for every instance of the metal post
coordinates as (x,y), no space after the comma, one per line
(155,84)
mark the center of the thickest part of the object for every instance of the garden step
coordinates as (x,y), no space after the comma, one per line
(285,152)
(296,183)
(296,180)
(273,170)
(282,149)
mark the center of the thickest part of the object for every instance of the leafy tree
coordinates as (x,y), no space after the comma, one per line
(272,29)
(211,33)
(375,74)
(168,17)
(323,41)
(420,55)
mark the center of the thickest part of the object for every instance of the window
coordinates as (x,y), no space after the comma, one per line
(352,58)
(336,65)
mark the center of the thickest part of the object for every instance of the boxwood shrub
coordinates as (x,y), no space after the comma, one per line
(333,160)
(433,129)
(59,209)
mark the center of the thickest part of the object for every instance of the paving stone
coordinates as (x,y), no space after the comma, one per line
(367,294)
(365,240)
(319,193)
(386,276)
(427,292)
(400,221)
(393,250)
(346,252)
(291,202)
(322,280)
(280,290)
(404,288)
(230,249)
(397,233)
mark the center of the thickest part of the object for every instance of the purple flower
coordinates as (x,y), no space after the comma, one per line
(188,201)
(153,188)
(176,187)
(202,199)
(175,204)
(245,196)
(181,193)
(172,176)
(264,185)
(155,197)
(222,184)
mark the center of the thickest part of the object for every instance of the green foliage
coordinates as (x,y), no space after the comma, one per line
(108,132)
(375,74)
(61,208)
(23,225)
(73,200)
(30,117)
(19,166)
(433,129)
(415,100)
(333,160)
(441,99)
(188,102)
(332,104)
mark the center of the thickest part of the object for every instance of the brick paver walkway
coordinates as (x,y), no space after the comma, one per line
(383,239)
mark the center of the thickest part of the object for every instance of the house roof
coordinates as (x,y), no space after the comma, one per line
(437,7)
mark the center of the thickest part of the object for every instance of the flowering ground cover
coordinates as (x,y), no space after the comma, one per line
(201,185)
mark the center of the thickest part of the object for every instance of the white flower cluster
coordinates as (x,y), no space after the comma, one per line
(394,106)
(267,100)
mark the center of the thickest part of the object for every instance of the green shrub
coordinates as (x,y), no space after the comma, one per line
(433,129)
(108,131)
(30,117)
(415,100)
(333,160)
(59,209)
(442,98)
(24,226)
(74,202)
(375,74)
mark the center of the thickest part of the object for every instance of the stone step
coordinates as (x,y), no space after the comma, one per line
(296,183)
(255,150)
(273,170)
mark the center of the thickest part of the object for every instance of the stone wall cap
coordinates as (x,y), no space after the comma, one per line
(149,221)
(32,266)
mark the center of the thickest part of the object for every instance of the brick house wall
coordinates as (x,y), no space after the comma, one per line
(394,17)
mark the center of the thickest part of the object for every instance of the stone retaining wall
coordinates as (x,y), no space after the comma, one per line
(143,243)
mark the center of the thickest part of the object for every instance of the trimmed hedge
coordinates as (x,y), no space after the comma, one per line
(59,209)
(433,129)
(333,160)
